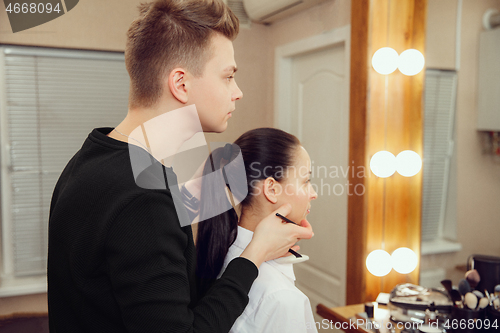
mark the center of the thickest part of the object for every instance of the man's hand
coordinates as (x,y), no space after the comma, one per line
(272,238)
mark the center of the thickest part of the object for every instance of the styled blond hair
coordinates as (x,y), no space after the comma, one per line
(169,34)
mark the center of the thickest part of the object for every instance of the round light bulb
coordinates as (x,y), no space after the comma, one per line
(383,164)
(408,163)
(378,263)
(385,60)
(411,62)
(404,260)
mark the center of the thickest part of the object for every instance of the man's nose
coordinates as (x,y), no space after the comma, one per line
(238,94)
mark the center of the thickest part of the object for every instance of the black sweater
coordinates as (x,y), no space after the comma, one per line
(119,261)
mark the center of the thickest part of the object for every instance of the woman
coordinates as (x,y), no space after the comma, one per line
(278,172)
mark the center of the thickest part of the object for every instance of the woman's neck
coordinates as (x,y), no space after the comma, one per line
(250,218)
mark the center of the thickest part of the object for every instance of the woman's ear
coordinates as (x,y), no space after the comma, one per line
(272,189)
(177,84)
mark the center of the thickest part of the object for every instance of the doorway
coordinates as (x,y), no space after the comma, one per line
(312,102)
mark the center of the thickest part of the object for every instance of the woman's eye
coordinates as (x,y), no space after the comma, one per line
(230,77)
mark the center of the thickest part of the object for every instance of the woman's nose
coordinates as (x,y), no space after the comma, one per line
(314,195)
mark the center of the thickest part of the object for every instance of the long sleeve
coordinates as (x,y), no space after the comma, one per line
(150,275)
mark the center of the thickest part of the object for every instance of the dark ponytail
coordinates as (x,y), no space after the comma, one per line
(267,152)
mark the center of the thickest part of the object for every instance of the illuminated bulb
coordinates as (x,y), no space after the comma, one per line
(385,60)
(383,164)
(378,263)
(404,260)
(411,62)
(408,163)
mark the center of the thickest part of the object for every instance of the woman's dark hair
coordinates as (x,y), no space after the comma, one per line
(266,152)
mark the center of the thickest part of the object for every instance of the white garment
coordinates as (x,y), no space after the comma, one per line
(275,304)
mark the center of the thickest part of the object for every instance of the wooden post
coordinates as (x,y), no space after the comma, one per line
(386,114)
(356,214)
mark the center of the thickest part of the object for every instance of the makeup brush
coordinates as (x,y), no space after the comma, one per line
(470,301)
(464,287)
(457,298)
(297,255)
(447,285)
(483,303)
(488,296)
(478,294)
(285,219)
(497,290)
(454,294)
(496,303)
(473,278)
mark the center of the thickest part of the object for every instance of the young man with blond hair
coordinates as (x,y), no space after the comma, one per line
(119,258)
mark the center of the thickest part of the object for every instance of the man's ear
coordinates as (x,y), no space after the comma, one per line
(177,84)
(271,189)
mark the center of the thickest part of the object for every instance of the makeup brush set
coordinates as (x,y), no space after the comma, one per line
(484,275)
(465,297)
(472,307)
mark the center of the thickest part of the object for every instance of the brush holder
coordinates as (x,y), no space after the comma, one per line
(494,316)
(466,321)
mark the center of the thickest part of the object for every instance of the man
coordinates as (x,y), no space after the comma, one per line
(119,260)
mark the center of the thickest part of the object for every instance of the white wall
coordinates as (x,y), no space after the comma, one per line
(475,178)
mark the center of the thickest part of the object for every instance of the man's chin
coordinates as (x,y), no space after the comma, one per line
(215,129)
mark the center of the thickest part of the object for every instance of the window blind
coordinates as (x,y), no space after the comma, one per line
(439,122)
(52,99)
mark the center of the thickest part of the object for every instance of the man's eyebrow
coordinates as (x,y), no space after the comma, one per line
(232,69)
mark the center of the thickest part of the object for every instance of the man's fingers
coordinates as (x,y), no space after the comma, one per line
(294,248)
(284,210)
(305,223)
(305,230)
